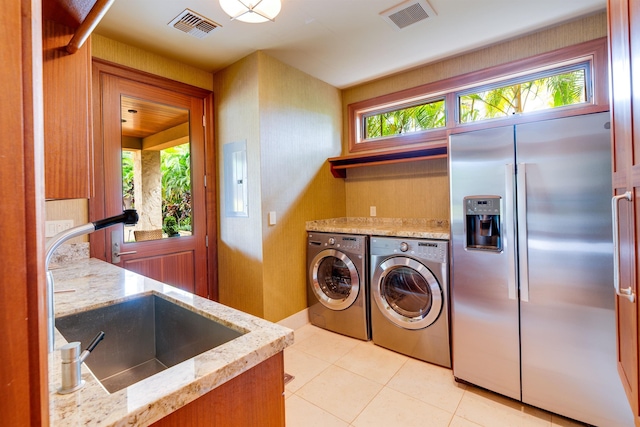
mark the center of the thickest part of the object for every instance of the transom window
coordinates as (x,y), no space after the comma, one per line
(561,88)
(565,82)
(424,116)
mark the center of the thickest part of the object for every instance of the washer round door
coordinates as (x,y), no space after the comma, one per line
(334,279)
(407,293)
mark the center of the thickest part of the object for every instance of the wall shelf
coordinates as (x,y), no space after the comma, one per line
(339,165)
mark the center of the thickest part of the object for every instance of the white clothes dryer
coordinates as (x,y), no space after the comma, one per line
(337,291)
(409,293)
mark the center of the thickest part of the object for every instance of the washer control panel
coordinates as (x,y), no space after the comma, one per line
(348,243)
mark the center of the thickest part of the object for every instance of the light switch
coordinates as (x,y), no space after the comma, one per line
(272,217)
(372,211)
(54,227)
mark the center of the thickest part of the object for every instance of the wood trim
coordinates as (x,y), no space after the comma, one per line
(339,165)
(596,49)
(24,384)
(254,398)
(33,128)
(97,246)
(211,196)
(622,15)
(107,67)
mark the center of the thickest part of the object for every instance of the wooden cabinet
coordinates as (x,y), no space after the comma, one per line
(624,54)
(24,386)
(67,114)
(254,398)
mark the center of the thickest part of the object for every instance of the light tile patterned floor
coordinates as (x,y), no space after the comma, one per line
(339,381)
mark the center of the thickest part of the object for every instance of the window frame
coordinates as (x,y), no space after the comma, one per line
(593,52)
(415,102)
(557,69)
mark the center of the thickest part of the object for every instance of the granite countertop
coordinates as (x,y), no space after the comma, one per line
(97,283)
(373,226)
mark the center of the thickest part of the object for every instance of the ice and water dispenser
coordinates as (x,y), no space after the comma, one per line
(482,223)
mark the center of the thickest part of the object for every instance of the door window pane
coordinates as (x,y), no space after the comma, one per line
(407,292)
(156,169)
(334,278)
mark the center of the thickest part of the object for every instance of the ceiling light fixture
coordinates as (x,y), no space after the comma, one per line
(253,11)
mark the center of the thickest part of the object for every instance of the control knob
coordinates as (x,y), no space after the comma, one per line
(332,241)
(404,247)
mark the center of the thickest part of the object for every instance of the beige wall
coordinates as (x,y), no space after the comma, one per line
(404,190)
(76,210)
(237,115)
(421,189)
(291,123)
(299,129)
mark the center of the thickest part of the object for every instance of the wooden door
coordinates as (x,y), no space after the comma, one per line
(624,34)
(179,261)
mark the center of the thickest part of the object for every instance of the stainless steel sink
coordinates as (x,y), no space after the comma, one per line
(143,336)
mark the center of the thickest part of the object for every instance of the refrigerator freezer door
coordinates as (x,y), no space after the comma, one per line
(568,323)
(485,329)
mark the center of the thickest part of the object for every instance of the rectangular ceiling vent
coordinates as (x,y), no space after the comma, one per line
(408,13)
(191,23)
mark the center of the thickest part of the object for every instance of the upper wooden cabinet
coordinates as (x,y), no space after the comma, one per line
(66,80)
(67,114)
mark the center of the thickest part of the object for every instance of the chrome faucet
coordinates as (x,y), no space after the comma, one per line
(72,360)
(128,217)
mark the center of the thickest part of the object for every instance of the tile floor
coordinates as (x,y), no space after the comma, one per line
(339,381)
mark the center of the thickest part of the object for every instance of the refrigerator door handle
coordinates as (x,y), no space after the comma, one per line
(615,200)
(523,267)
(509,239)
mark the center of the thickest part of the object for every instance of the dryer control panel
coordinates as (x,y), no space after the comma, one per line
(431,250)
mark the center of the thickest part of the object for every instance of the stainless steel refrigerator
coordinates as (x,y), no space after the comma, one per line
(532,266)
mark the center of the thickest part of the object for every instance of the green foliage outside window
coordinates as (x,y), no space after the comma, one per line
(417,118)
(127,177)
(175,164)
(545,93)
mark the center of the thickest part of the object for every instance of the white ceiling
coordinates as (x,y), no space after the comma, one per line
(342,42)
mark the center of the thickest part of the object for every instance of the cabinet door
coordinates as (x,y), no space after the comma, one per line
(67,125)
(625,105)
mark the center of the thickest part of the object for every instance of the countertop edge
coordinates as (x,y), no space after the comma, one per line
(391,227)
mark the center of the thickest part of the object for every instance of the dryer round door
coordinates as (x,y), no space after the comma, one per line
(334,279)
(407,293)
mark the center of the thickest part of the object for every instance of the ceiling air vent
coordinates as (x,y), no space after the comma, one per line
(408,13)
(191,23)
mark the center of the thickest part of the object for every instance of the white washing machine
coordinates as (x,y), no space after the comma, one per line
(337,291)
(410,297)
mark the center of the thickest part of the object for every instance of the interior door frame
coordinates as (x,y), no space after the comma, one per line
(97,206)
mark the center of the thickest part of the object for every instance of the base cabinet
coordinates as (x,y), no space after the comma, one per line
(254,398)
